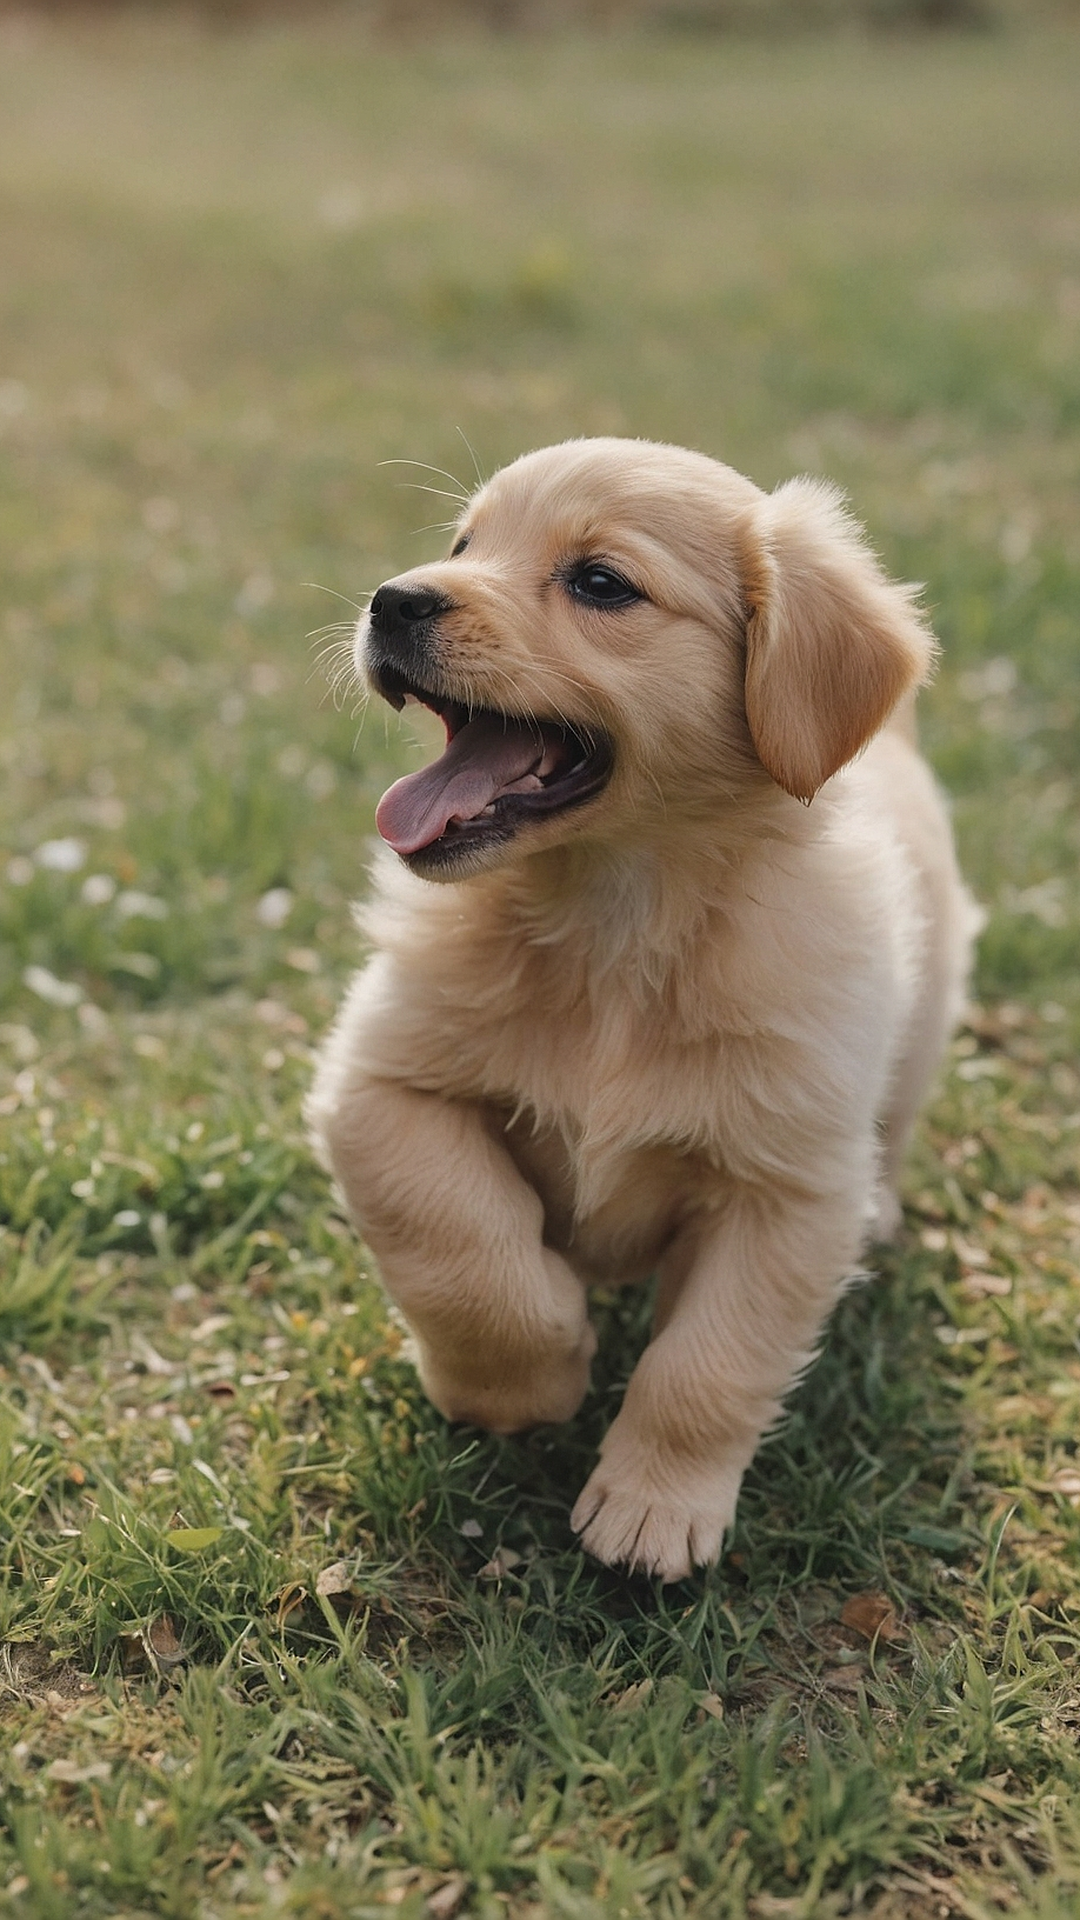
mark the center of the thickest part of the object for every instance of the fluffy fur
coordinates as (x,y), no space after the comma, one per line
(682,1028)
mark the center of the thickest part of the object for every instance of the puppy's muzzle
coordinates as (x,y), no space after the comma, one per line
(400,631)
(502,771)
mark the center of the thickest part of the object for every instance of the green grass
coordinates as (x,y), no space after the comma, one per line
(240,273)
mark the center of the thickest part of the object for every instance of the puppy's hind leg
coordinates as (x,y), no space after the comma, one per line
(956,922)
(499,1319)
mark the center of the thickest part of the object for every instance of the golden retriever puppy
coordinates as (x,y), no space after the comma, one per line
(666,951)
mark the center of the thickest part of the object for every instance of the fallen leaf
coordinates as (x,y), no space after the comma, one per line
(333,1579)
(289,1597)
(871,1614)
(205,1328)
(632,1696)
(844,1679)
(70,1774)
(712,1704)
(150,1358)
(445,1901)
(193,1539)
(162,1644)
(976,1285)
(969,1255)
(501,1562)
(962,1336)
(938,1539)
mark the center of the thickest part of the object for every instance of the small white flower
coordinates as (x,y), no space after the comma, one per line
(132,905)
(1046,902)
(59,993)
(275,907)
(127,1217)
(97,889)
(145,966)
(264,679)
(320,780)
(994,680)
(83,1189)
(256,593)
(61,856)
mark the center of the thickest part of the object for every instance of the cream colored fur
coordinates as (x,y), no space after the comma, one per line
(683,1030)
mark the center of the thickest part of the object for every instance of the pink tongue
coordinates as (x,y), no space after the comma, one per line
(489,756)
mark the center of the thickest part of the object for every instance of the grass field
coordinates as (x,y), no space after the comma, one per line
(275,1640)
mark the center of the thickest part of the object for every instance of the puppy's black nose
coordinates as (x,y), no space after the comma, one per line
(394,610)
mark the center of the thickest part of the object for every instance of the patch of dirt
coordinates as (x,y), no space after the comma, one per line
(29,1671)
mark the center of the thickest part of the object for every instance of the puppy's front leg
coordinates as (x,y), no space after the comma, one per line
(500,1320)
(740,1310)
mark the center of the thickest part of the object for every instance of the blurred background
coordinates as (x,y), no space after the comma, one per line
(250,255)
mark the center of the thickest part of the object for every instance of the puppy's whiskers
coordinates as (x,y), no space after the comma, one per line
(441,493)
(461,492)
(357,606)
(563,681)
(481,478)
(528,712)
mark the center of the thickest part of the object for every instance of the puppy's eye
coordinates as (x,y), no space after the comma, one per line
(459,546)
(599,586)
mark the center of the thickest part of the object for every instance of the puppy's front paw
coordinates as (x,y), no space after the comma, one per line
(540,1391)
(630,1515)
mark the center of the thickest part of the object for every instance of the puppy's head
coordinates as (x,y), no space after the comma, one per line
(627,635)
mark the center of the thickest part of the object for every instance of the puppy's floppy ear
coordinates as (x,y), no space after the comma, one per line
(831,643)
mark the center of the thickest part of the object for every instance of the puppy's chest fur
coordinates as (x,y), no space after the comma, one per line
(594,1112)
(612,1211)
(629,1094)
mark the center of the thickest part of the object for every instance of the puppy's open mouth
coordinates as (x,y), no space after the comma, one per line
(499,773)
